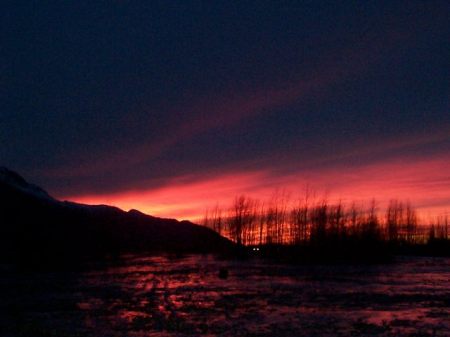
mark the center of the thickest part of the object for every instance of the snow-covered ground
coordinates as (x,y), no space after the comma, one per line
(164,296)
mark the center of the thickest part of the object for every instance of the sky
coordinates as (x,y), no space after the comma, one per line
(171,107)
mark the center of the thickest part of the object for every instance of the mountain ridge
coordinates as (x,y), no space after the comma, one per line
(35,225)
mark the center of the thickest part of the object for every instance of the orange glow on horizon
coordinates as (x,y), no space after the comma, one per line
(425,183)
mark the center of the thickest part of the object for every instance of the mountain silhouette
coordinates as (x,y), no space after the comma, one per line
(37,227)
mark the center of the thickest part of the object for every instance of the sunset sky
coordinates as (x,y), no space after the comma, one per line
(169,107)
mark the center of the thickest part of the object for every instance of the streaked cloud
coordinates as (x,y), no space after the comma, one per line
(425,183)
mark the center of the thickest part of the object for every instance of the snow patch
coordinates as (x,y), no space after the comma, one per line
(14,180)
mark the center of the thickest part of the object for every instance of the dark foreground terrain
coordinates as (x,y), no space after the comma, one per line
(161,295)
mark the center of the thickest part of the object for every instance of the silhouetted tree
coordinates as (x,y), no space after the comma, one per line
(411,223)
(216,219)
(319,220)
(393,216)
(262,221)
(251,222)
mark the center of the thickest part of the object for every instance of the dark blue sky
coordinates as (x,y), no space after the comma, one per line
(119,95)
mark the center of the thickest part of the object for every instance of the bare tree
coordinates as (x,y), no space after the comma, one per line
(371,227)
(319,220)
(393,217)
(262,221)
(251,222)
(241,219)
(411,223)
(216,219)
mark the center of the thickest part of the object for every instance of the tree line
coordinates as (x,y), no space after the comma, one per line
(249,221)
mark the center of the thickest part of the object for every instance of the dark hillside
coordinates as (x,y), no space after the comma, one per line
(35,226)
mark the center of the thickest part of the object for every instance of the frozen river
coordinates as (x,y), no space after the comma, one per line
(163,296)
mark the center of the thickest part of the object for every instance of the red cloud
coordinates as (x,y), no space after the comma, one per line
(425,183)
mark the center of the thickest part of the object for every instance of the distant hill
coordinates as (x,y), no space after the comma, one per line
(33,225)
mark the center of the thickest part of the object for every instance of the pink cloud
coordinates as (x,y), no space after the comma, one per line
(425,183)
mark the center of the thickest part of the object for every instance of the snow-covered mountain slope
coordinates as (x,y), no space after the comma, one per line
(14,180)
